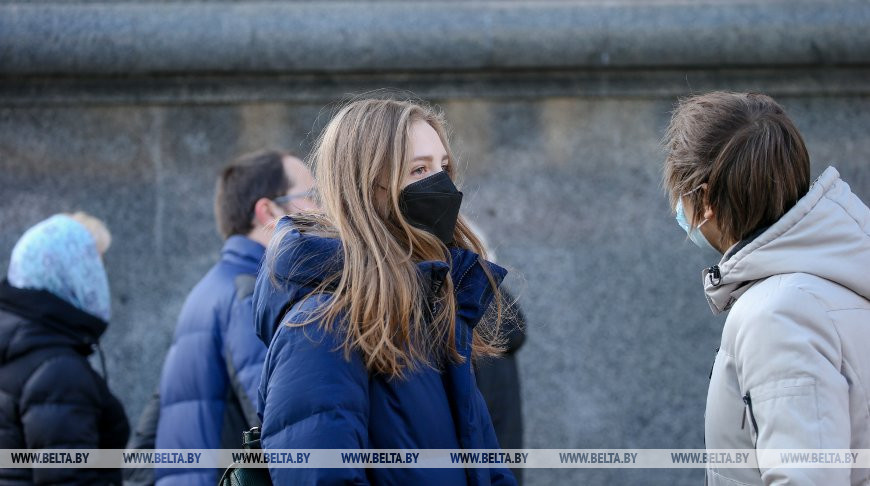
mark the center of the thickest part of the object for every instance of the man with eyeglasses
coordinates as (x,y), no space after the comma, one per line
(208,388)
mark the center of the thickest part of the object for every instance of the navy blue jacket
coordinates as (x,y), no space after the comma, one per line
(50,397)
(208,386)
(311,397)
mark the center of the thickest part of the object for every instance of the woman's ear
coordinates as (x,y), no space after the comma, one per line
(709,213)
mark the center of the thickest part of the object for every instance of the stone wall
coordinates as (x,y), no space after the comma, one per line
(127,110)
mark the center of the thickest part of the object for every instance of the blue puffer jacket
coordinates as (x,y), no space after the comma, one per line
(208,387)
(312,398)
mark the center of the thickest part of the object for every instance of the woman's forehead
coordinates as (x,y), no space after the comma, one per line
(425,142)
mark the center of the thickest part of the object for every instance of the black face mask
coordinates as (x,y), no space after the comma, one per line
(432,204)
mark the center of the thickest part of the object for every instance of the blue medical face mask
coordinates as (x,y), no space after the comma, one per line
(695,234)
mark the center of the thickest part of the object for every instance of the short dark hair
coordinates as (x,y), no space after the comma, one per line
(242,183)
(747,151)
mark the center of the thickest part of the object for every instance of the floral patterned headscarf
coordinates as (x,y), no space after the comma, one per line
(60,255)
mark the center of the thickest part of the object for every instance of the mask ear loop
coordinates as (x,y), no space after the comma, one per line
(700,186)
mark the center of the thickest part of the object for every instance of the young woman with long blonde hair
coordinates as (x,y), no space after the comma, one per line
(370,306)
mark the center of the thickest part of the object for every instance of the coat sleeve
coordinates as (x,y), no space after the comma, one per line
(498,476)
(61,408)
(313,398)
(114,425)
(244,354)
(788,361)
(143,437)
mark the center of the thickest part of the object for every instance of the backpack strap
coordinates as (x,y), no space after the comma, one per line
(244,284)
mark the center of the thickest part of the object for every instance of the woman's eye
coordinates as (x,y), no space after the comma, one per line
(418,171)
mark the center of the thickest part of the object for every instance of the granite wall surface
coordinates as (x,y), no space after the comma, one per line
(562,167)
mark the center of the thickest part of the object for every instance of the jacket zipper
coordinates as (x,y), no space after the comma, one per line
(747,400)
(715,355)
(456,287)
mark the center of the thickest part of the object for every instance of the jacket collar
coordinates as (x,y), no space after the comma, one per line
(243,251)
(826,234)
(51,318)
(305,260)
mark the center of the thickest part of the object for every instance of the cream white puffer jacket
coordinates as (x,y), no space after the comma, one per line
(793,367)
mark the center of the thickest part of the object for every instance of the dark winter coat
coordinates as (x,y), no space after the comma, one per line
(211,373)
(499,380)
(311,397)
(50,397)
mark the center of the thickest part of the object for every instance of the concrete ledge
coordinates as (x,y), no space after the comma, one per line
(303,88)
(370,37)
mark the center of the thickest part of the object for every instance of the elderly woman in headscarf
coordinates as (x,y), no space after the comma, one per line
(54,306)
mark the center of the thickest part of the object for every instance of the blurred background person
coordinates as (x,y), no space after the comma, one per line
(498,378)
(54,306)
(793,278)
(208,387)
(372,309)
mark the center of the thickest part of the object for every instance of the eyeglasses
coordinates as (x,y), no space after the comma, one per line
(309,194)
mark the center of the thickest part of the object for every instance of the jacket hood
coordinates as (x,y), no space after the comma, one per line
(31,319)
(304,261)
(826,234)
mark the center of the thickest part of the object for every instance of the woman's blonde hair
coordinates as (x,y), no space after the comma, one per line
(359,161)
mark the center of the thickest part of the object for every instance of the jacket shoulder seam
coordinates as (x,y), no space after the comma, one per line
(825,307)
(845,309)
(816,301)
(833,325)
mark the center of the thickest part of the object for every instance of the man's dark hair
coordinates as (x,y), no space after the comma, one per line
(748,152)
(242,183)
